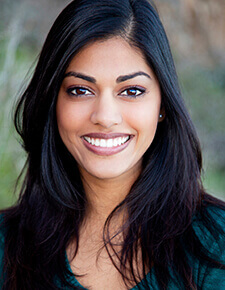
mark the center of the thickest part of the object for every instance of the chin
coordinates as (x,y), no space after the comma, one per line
(106,175)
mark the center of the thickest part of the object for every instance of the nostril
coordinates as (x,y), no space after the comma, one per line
(106,116)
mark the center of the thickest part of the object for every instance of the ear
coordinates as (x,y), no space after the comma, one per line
(162,114)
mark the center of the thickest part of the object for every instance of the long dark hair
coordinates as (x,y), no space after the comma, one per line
(161,203)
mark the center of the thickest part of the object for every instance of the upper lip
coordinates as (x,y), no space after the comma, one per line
(106,136)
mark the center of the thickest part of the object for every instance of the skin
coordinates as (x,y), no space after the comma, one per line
(107,103)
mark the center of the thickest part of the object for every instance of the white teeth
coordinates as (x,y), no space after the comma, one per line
(109,143)
(97,142)
(88,139)
(102,143)
(115,143)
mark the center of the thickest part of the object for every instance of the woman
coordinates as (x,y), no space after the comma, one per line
(112,198)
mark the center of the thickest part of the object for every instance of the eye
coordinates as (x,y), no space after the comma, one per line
(132,92)
(79,91)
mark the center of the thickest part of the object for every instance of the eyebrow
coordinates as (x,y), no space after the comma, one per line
(131,76)
(81,76)
(118,80)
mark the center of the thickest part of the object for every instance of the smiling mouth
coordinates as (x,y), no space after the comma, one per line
(107,143)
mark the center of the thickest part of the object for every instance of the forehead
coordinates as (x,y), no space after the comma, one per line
(111,56)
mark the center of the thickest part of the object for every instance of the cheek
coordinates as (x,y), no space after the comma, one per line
(70,116)
(144,118)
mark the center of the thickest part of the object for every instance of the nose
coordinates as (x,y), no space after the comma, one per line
(106,111)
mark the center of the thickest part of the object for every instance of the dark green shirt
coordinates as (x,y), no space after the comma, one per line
(207,278)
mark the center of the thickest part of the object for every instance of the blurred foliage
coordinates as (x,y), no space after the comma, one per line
(203,92)
(195,30)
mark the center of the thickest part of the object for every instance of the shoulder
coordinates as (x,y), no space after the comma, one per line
(212,212)
(2,232)
(2,239)
(209,222)
(209,227)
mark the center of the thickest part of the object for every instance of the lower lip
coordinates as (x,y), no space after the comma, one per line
(106,151)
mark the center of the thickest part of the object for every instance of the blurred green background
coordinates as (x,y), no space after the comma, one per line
(196,30)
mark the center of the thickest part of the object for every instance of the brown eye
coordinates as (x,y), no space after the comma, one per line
(78,91)
(132,92)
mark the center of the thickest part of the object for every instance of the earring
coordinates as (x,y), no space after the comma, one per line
(160,116)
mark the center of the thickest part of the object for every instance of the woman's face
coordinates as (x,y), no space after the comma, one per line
(108,109)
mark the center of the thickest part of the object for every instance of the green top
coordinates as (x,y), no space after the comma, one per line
(207,278)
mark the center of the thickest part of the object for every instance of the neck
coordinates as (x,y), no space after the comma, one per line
(103,195)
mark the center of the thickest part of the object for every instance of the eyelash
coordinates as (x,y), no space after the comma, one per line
(70,91)
(134,88)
